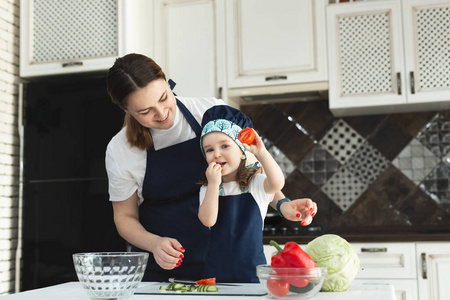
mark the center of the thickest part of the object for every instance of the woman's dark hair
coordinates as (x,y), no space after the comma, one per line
(129,74)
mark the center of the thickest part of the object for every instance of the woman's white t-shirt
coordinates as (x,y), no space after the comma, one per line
(126,165)
(255,187)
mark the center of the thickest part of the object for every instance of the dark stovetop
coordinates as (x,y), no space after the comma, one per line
(303,235)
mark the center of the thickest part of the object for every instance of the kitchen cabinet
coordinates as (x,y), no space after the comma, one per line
(189,39)
(433,269)
(275,42)
(388,263)
(388,56)
(67,37)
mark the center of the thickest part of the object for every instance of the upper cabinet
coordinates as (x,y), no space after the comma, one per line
(190,46)
(388,56)
(275,42)
(62,37)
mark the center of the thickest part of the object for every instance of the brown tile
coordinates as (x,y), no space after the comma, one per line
(270,122)
(417,207)
(365,125)
(371,210)
(392,185)
(328,213)
(294,144)
(254,111)
(445,114)
(299,186)
(412,123)
(389,139)
(314,116)
(440,218)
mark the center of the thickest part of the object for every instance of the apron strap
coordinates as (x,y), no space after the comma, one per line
(190,118)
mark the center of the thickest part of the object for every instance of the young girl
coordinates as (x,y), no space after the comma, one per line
(234,201)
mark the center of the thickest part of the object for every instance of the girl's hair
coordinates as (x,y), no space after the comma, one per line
(129,74)
(243,175)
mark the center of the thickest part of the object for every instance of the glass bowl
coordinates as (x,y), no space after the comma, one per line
(110,275)
(291,283)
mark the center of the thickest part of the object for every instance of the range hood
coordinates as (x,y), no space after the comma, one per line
(279,93)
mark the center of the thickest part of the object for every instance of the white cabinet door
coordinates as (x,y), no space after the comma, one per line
(388,56)
(433,269)
(365,56)
(189,45)
(427,35)
(275,42)
(62,37)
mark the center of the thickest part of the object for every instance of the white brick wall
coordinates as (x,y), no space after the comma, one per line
(9,142)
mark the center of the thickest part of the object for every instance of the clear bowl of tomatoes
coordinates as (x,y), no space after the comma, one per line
(291,283)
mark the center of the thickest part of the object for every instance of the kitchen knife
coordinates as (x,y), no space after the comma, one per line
(175,280)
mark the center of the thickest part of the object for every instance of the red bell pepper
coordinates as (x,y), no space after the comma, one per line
(292,256)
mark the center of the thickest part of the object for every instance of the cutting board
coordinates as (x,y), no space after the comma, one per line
(241,289)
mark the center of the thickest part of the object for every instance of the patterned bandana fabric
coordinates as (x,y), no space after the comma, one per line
(224,126)
(226,119)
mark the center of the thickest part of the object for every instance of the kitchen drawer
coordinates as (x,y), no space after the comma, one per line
(386,260)
(405,289)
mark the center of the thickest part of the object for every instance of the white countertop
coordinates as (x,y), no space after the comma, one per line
(74,291)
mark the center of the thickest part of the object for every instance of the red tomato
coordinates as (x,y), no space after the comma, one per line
(208,281)
(277,287)
(298,282)
(246,135)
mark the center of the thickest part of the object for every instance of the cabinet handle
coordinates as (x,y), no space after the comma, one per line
(72,64)
(276,77)
(424,265)
(373,249)
(413,85)
(219,93)
(399,84)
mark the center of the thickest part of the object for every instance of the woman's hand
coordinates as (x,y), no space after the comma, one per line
(299,210)
(214,174)
(168,253)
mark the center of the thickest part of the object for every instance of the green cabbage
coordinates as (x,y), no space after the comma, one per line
(338,255)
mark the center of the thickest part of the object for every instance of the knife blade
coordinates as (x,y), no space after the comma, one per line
(175,280)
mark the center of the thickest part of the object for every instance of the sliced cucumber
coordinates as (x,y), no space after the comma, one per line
(181,288)
(212,288)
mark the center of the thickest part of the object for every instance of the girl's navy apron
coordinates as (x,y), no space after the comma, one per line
(236,241)
(170,207)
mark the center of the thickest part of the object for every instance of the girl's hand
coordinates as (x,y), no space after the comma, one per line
(214,174)
(299,210)
(168,253)
(257,147)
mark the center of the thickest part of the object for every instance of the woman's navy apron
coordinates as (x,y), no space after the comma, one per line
(236,241)
(171,202)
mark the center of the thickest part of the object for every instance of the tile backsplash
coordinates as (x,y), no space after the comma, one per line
(364,172)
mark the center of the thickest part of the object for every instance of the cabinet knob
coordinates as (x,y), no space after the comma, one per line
(72,64)
(413,85)
(399,84)
(373,249)
(276,77)
(423,256)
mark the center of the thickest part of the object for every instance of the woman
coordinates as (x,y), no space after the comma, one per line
(154,164)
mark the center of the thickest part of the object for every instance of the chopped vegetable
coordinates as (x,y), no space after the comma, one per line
(246,135)
(181,288)
(208,281)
